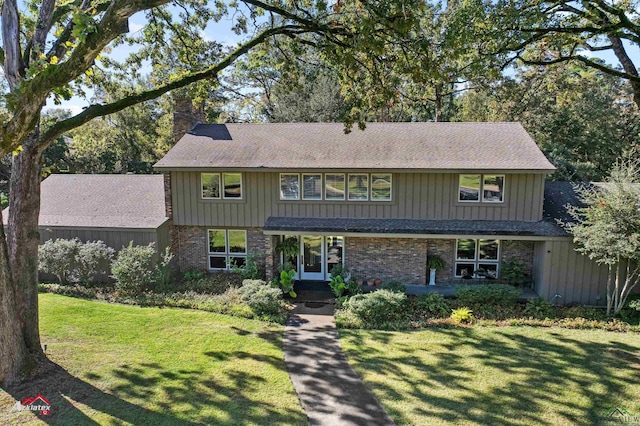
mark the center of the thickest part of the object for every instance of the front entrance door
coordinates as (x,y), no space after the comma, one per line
(312,261)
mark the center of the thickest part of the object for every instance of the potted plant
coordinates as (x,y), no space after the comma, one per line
(434,263)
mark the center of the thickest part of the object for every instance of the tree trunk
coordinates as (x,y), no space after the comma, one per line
(23,239)
(609,295)
(627,64)
(13,351)
(438,104)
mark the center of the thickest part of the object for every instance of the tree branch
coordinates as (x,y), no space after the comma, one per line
(13,64)
(94,111)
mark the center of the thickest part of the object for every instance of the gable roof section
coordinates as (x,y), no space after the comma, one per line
(411,146)
(102,201)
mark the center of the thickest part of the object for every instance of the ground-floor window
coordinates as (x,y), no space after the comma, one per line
(227,247)
(335,252)
(477,258)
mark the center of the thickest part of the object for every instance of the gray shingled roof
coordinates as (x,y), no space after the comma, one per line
(102,201)
(557,195)
(436,146)
(414,226)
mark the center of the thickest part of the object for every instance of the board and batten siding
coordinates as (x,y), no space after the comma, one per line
(112,237)
(415,196)
(560,270)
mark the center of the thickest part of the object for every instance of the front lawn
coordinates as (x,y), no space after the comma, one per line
(498,375)
(151,366)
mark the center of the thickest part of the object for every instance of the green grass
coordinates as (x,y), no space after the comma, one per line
(149,366)
(498,376)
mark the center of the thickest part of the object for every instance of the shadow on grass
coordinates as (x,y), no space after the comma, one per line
(199,399)
(536,372)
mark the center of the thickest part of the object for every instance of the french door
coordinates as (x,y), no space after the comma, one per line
(312,254)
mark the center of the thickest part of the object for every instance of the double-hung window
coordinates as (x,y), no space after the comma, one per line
(334,188)
(485,188)
(216,186)
(477,258)
(312,186)
(289,186)
(227,247)
(358,186)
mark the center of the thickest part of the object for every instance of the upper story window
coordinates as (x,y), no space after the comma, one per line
(485,188)
(289,186)
(337,186)
(381,187)
(334,188)
(312,186)
(216,186)
(358,186)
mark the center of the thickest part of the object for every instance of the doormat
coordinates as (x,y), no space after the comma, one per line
(315,305)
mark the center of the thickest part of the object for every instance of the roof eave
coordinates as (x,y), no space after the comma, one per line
(205,168)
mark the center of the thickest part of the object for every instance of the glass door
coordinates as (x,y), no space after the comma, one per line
(312,257)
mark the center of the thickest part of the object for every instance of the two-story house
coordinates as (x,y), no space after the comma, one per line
(379,201)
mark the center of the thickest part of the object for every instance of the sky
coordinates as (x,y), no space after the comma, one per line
(222,32)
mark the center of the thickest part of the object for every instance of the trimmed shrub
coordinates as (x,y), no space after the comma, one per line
(487,294)
(395,286)
(216,283)
(538,308)
(513,270)
(432,305)
(378,308)
(193,275)
(462,315)
(261,297)
(58,257)
(134,269)
(92,258)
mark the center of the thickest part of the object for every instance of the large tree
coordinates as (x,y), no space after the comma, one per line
(55,49)
(52,50)
(552,31)
(607,229)
(581,118)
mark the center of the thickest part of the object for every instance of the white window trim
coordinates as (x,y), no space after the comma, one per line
(226,254)
(479,188)
(220,189)
(359,200)
(504,185)
(280,186)
(476,260)
(302,185)
(241,186)
(344,180)
(481,198)
(390,187)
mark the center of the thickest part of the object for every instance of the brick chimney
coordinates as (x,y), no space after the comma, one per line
(185,116)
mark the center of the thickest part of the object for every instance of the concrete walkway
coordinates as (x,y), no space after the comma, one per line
(330,391)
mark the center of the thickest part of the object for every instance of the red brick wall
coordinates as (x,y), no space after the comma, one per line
(189,244)
(401,259)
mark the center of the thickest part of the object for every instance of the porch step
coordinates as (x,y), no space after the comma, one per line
(313,291)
